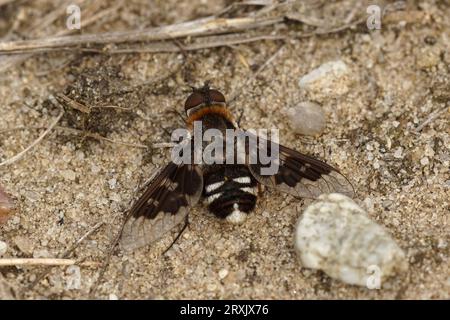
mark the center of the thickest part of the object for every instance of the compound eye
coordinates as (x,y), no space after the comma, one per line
(195,99)
(216,96)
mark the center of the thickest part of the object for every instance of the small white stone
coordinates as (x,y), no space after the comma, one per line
(24,244)
(307,118)
(331,79)
(112,183)
(424,161)
(442,244)
(398,153)
(223,273)
(376,165)
(335,235)
(112,296)
(73,278)
(3,248)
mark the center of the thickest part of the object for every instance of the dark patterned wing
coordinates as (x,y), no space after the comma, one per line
(298,174)
(164,204)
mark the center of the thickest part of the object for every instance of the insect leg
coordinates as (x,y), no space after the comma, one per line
(240,118)
(186,223)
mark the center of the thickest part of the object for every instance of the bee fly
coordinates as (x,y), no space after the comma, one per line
(228,189)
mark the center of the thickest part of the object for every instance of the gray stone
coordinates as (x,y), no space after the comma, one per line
(330,80)
(335,235)
(306,118)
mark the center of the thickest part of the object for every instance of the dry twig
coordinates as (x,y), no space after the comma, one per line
(205,26)
(434,115)
(7,262)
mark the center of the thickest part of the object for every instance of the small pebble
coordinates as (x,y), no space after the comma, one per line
(335,235)
(223,273)
(74,278)
(3,248)
(307,118)
(331,79)
(112,183)
(24,244)
(424,161)
(112,296)
(398,153)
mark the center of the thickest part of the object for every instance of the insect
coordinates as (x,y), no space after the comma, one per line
(229,190)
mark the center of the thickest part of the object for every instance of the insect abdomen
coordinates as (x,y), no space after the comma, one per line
(229,192)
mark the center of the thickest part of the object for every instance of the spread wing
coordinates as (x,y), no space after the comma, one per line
(164,204)
(298,174)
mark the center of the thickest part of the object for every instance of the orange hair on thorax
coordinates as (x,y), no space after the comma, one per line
(214,109)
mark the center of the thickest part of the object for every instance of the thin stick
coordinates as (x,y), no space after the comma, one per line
(80,240)
(74,104)
(205,26)
(434,115)
(6,262)
(19,262)
(161,145)
(31,146)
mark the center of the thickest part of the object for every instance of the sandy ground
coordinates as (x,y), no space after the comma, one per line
(66,184)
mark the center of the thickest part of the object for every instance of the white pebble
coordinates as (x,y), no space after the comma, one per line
(307,118)
(112,296)
(112,183)
(74,278)
(376,165)
(335,235)
(424,161)
(331,79)
(223,273)
(398,153)
(3,248)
